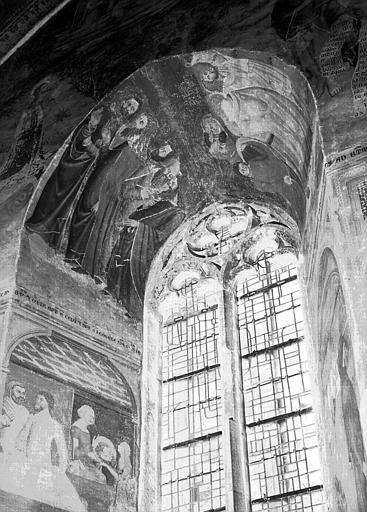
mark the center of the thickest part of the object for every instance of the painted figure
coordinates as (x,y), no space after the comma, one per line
(252,101)
(146,228)
(13,418)
(305,25)
(125,489)
(86,462)
(89,207)
(104,230)
(28,137)
(220,144)
(74,168)
(40,474)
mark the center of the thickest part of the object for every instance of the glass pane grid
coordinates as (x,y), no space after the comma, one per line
(191,407)
(269,319)
(283,453)
(283,456)
(193,477)
(190,344)
(306,502)
(264,277)
(192,462)
(276,382)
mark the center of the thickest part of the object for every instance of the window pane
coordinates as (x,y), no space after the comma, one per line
(284,464)
(193,477)
(192,465)
(191,407)
(276,382)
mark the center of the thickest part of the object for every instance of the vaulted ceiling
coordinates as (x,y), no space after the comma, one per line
(84,48)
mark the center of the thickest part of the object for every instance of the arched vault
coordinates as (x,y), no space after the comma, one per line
(179,134)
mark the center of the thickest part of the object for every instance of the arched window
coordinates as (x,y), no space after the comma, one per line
(236,430)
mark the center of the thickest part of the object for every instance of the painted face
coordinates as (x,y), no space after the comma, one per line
(18,394)
(244,169)
(107,453)
(210,74)
(212,126)
(131,106)
(171,174)
(164,150)
(89,417)
(41,403)
(287,180)
(95,118)
(141,122)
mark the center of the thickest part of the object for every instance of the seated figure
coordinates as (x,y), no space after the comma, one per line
(86,462)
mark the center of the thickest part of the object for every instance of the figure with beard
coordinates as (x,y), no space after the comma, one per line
(75,166)
(13,418)
(96,207)
(145,230)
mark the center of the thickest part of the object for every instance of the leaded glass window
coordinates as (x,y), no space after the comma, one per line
(199,429)
(192,478)
(281,435)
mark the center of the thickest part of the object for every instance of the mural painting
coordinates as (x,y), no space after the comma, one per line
(340,395)
(63,446)
(323,36)
(129,175)
(325,39)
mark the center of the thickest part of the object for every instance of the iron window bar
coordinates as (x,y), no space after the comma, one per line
(280,442)
(192,458)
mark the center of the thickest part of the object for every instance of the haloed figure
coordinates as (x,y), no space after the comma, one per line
(146,228)
(210,74)
(131,105)
(220,145)
(97,201)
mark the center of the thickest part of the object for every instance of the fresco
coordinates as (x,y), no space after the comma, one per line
(173,138)
(340,408)
(325,39)
(62,447)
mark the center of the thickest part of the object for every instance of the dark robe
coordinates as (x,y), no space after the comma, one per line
(135,249)
(67,181)
(91,229)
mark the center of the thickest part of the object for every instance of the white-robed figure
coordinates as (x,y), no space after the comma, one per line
(125,490)
(40,473)
(13,417)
